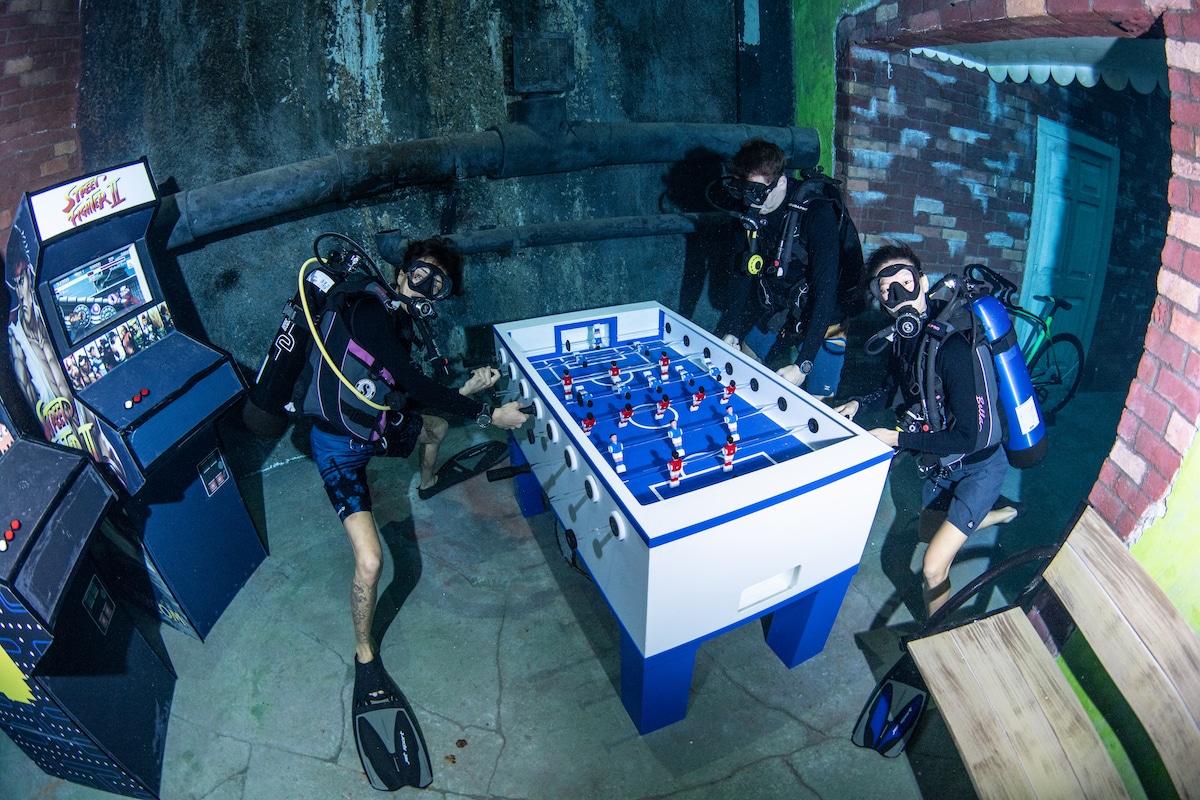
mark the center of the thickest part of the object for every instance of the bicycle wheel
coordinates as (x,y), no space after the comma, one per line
(1056,371)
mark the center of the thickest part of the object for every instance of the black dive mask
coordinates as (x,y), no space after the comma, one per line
(909,321)
(898,294)
(429,280)
(751,193)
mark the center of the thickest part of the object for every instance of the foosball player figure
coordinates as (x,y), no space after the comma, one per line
(614,372)
(614,449)
(730,420)
(581,395)
(664,365)
(727,451)
(588,423)
(626,415)
(567,380)
(730,388)
(664,403)
(652,381)
(697,398)
(714,372)
(675,468)
(676,436)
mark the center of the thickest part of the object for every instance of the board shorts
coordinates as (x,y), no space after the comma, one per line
(967,492)
(342,462)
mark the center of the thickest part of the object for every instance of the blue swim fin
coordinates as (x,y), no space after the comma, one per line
(880,726)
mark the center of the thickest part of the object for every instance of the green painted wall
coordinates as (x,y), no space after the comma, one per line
(814,26)
(1170,547)
(815,30)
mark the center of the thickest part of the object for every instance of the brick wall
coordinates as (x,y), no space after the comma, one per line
(1160,417)
(40,44)
(944,158)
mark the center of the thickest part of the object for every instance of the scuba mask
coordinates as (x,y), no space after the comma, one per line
(429,280)
(749,192)
(908,321)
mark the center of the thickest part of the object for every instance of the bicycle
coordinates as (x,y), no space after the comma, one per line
(1055,361)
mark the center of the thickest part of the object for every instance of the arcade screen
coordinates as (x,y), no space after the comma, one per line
(91,297)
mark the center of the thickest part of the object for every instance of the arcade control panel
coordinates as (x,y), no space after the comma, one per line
(702,489)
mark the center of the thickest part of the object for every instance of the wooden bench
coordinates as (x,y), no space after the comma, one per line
(1020,728)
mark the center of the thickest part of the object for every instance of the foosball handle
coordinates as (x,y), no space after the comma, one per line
(529,409)
(501,473)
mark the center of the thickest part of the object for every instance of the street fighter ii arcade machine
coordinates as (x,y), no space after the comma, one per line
(81,690)
(98,357)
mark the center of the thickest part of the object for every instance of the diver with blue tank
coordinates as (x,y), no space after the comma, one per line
(943,365)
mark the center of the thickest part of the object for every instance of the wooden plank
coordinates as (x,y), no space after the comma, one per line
(1164,630)
(1128,621)
(986,750)
(1017,722)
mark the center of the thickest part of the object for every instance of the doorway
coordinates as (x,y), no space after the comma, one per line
(1075,189)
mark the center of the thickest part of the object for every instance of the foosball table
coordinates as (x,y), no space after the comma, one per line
(700,490)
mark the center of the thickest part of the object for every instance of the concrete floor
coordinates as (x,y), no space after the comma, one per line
(511,657)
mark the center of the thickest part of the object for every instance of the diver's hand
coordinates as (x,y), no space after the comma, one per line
(509,416)
(792,374)
(731,340)
(481,378)
(889,436)
(848,409)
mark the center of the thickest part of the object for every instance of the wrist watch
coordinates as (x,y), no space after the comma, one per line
(805,367)
(484,418)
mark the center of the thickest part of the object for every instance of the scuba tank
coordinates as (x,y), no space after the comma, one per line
(1027,440)
(269,404)
(267,408)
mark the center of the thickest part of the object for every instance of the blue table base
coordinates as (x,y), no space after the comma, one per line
(655,690)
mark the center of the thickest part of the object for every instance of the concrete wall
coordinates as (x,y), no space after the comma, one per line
(210,91)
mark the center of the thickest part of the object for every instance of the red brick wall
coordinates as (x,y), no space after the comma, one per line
(940,155)
(1160,417)
(40,44)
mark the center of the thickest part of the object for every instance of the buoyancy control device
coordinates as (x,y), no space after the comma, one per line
(325,281)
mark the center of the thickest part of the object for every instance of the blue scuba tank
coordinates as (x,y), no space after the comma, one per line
(1027,440)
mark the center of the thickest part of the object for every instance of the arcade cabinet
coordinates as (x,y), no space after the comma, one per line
(98,357)
(81,690)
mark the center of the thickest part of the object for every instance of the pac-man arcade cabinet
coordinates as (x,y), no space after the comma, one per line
(99,358)
(81,690)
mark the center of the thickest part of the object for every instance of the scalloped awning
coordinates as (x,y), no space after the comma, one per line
(1140,63)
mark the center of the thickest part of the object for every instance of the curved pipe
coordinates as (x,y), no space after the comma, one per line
(391,244)
(505,151)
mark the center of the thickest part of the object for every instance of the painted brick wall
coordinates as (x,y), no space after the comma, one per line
(943,157)
(39,81)
(1160,417)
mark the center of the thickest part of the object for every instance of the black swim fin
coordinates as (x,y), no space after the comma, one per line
(466,464)
(390,743)
(893,709)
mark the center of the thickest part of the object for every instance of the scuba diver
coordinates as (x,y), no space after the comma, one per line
(368,332)
(798,253)
(951,415)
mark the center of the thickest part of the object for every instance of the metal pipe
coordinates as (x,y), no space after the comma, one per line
(391,244)
(505,151)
